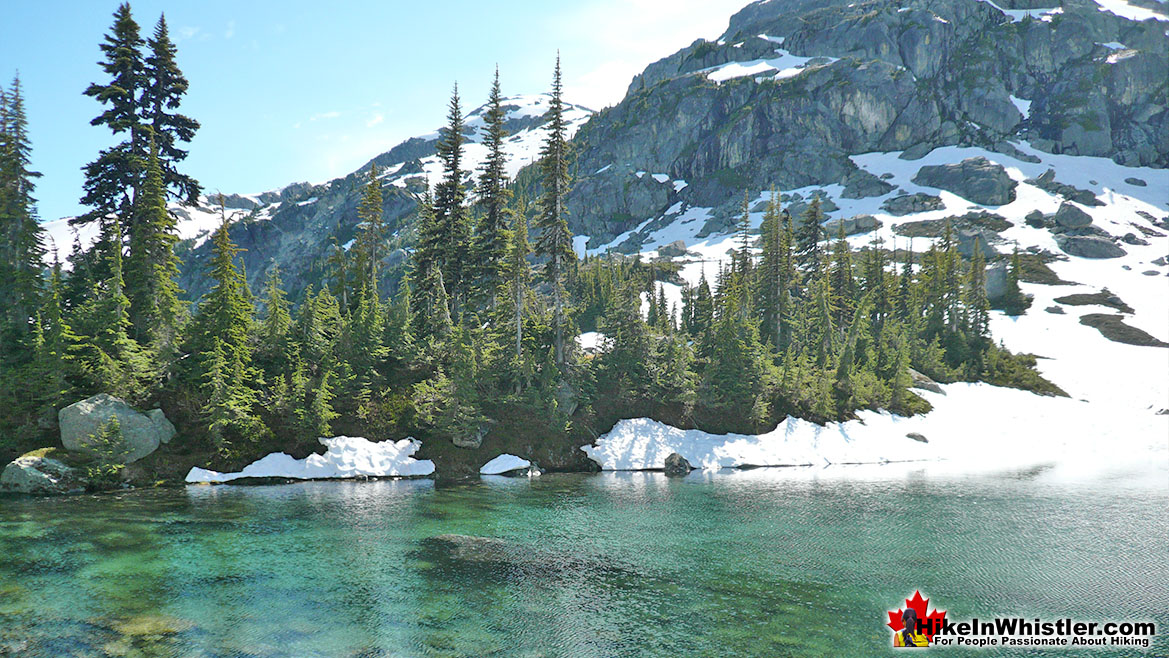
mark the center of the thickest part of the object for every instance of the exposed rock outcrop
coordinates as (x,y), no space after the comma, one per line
(976,179)
(1089,246)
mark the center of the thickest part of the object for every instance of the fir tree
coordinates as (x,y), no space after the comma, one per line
(21,253)
(491,235)
(152,267)
(519,275)
(110,178)
(162,94)
(809,252)
(555,241)
(451,220)
(770,272)
(372,237)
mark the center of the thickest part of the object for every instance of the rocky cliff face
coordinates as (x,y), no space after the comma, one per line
(794,87)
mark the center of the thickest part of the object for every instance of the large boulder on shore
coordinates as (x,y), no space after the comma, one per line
(142,432)
(976,179)
(37,474)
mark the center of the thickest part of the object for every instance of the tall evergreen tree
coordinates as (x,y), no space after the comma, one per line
(165,86)
(809,235)
(451,219)
(491,239)
(21,251)
(371,239)
(555,241)
(770,272)
(112,179)
(153,267)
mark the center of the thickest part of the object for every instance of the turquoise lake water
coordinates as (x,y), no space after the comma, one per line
(754,563)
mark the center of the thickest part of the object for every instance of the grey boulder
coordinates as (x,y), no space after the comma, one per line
(32,474)
(976,179)
(142,432)
(851,225)
(677,466)
(1089,246)
(924,383)
(1071,216)
(907,204)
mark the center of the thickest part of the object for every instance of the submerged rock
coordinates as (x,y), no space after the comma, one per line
(142,432)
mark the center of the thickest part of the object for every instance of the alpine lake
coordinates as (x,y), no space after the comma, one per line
(765,562)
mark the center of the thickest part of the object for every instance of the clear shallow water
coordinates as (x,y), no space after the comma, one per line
(752,563)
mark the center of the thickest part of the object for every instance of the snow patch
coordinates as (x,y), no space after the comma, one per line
(786,65)
(1024,430)
(1131,12)
(346,457)
(504,463)
(592,341)
(1023,105)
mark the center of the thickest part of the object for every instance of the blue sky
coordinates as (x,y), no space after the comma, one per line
(303,90)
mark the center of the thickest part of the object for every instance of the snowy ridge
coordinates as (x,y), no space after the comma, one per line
(346,457)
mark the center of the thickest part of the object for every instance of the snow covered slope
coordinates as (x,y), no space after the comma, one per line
(346,457)
(1119,392)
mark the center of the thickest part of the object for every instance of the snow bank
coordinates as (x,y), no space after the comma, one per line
(504,463)
(974,427)
(591,341)
(347,457)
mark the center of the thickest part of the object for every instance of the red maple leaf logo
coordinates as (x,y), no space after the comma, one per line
(931,622)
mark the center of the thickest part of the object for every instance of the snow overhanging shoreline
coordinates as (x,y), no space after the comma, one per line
(974,428)
(346,457)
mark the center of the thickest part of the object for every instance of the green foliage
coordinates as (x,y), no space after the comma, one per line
(111,452)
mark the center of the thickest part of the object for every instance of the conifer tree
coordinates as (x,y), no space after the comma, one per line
(162,94)
(555,241)
(57,347)
(843,285)
(224,316)
(112,179)
(451,220)
(153,267)
(809,236)
(519,274)
(339,269)
(491,235)
(21,252)
(1014,302)
(770,273)
(371,238)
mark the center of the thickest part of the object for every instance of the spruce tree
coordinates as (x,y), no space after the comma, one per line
(451,220)
(491,239)
(843,285)
(555,241)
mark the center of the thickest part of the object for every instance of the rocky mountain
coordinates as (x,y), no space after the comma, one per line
(298,225)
